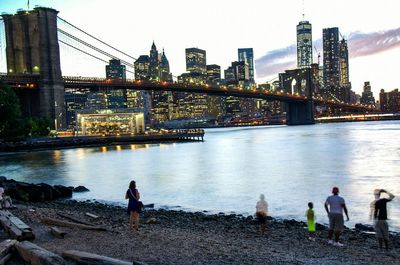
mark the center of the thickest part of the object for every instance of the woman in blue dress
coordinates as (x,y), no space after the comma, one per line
(134,205)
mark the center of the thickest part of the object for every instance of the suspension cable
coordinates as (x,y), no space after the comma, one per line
(94,56)
(97,39)
(93,47)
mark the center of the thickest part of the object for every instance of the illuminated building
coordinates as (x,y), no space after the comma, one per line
(232,104)
(304,44)
(213,74)
(75,99)
(154,63)
(110,122)
(246,55)
(390,101)
(343,64)
(142,67)
(115,70)
(164,68)
(196,61)
(330,40)
(367,96)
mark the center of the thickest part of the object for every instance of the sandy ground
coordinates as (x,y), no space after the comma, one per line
(197,238)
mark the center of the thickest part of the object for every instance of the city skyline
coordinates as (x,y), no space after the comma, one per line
(221,45)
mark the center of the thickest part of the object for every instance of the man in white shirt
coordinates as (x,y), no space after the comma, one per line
(335,213)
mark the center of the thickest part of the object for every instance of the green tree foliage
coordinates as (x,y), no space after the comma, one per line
(12,125)
(10,112)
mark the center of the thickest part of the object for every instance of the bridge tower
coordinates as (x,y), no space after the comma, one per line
(32,49)
(299,81)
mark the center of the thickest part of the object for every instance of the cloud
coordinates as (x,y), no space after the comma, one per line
(360,44)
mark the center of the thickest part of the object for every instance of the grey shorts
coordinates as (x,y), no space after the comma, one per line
(381,229)
(336,222)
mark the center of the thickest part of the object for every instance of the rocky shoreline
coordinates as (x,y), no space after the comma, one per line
(178,237)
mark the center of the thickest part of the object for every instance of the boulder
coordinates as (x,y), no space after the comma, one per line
(362,227)
(80,189)
(63,192)
(29,192)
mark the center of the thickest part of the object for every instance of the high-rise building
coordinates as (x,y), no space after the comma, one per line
(196,61)
(213,73)
(246,55)
(367,96)
(304,44)
(115,70)
(164,68)
(154,63)
(142,67)
(330,40)
(390,101)
(343,63)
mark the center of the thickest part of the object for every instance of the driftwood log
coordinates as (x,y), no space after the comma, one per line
(6,258)
(92,215)
(6,250)
(85,258)
(74,219)
(35,255)
(15,227)
(57,232)
(58,222)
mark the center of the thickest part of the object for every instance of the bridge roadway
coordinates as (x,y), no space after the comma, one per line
(33,81)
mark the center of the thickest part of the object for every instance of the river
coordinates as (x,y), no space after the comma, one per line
(233,166)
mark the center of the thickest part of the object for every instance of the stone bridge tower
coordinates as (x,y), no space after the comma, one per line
(32,49)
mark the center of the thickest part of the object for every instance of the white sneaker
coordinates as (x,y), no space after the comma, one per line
(338,244)
(330,242)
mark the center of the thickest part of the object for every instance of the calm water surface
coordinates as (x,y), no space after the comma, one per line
(227,172)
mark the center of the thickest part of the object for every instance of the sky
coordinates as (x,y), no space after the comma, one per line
(222,26)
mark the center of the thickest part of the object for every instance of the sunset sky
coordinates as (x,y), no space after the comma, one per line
(222,26)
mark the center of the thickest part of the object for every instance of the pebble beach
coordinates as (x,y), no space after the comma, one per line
(178,237)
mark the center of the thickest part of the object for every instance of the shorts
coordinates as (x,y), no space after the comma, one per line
(261,218)
(311,225)
(336,222)
(381,229)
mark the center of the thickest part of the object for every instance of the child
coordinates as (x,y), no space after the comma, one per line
(311,221)
(261,213)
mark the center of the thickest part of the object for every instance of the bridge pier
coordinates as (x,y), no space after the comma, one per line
(32,49)
(299,113)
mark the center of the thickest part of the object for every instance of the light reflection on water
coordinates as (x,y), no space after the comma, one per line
(227,172)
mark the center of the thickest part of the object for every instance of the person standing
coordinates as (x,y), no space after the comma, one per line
(262,213)
(134,205)
(380,215)
(335,213)
(311,221)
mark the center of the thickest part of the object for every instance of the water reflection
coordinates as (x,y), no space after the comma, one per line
(227,172)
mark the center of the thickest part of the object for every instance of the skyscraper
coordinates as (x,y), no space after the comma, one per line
(115,70)
(330,37)
(154,64)
(142,67)
(304,44)
(196,61)
(343,64)
(213,73)
(246,55)
(367,96)
(164,68)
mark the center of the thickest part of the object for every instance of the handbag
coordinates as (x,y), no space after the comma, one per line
(140,204)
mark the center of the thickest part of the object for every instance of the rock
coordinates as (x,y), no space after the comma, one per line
(64,192)
(29,192)
(362,227)
(80,189)
(320,227)
(151,221)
